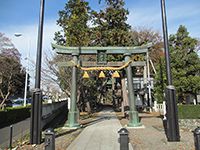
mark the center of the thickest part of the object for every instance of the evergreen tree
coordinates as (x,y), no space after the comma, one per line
(110,27)
(185,64)
(74,22)
(160,80)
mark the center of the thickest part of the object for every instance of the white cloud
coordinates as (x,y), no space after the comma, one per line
(28,40)
(177,14)
(144,17)
(148,16)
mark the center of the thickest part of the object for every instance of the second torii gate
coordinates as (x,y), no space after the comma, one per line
(101,52)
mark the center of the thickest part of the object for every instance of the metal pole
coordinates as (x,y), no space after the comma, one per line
(133,114)
(196,133)
(166,45)
(36,113)
(145,84)
(149,81)
(39,45)
(27,70)
(36,109)
(154,69)
(11,135)
(73,113)
(172,117)
(25,88)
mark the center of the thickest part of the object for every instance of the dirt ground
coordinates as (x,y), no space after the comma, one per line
(152,136)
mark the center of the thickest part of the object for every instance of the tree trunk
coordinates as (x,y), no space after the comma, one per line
(4,99)
(88,107)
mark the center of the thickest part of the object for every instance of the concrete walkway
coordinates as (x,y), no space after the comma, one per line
(101,135)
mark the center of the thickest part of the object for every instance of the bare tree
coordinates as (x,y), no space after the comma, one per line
(142,36)
(54,75)
(12,73)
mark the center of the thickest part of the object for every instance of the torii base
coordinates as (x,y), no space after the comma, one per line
(72,120)
(134,119)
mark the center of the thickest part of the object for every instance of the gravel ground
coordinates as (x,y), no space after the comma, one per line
(189,124)
(152,137)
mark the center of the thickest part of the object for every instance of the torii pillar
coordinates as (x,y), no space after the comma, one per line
(72,121)
(133,114)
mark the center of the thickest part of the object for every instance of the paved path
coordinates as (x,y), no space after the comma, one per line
(19,130)
(101,135)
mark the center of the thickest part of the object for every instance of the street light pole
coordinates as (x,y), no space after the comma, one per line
(36,107)
(25,88)
(170,93)
(26,70)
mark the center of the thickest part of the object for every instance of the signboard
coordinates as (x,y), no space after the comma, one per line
(101,57)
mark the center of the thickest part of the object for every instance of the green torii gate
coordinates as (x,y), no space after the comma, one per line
(126,51)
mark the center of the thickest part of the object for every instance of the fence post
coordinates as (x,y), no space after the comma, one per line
(194,101)
(155,106)
(164,110)
(11,135)
(123,139)
(49,142)
(196,133)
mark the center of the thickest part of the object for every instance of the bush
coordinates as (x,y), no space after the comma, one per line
(189,111)
(13,115)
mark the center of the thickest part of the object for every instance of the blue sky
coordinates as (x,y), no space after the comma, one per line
(22,16)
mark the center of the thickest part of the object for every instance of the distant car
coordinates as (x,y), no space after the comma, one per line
(18,99)
(45,97)
(17,102)
(20,102)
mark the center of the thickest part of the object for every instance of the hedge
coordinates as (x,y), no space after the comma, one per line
(13,115)
(189,111)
